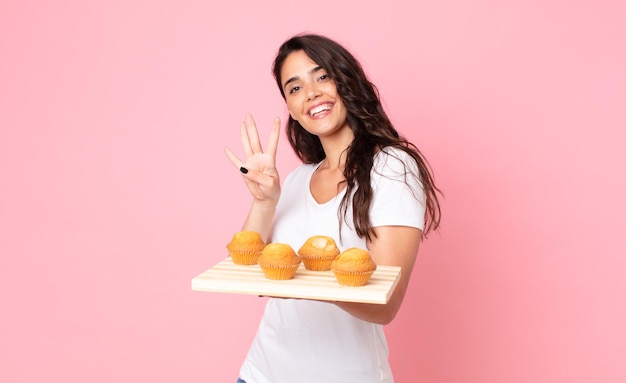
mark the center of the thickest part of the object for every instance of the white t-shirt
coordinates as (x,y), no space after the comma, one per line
(308,341)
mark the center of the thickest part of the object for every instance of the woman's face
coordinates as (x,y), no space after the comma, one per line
(311,96)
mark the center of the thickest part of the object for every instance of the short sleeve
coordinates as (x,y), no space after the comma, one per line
(398,193)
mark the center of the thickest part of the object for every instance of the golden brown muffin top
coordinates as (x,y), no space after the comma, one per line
(319,246)
(354,259)
(247,240)
(278,254)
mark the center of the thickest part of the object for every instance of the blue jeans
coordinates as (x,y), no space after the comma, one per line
(239,380)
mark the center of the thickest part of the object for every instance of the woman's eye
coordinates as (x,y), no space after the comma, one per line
(294,89)
(323,77)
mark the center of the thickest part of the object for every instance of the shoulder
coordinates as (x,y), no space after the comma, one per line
(398,193)
(393,161)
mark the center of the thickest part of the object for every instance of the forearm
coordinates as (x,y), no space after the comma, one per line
(392,246)
(375,313)
(260,218)
(368,312)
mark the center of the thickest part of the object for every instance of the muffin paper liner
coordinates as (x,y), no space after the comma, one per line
(244,257)
(353,278)
(279,272)
(318,263)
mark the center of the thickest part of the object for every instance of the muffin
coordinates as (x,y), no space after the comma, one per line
(353,267)
(318,252)
(245,247)
(279,261)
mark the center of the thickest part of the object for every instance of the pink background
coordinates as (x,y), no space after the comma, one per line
(115,190)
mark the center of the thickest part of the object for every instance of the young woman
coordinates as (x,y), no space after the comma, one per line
(360,183)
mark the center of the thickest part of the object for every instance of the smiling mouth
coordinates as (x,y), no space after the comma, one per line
(319,109)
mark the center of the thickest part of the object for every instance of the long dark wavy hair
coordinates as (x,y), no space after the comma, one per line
(372,130)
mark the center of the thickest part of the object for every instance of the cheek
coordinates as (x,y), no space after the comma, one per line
(292,110)
(330,89)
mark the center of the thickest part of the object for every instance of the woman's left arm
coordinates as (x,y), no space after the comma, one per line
(392,246)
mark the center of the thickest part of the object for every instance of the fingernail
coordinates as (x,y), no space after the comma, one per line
(243,170)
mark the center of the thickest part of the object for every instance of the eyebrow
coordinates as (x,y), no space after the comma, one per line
(295,78)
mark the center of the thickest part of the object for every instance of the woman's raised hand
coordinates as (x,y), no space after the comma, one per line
(259,169)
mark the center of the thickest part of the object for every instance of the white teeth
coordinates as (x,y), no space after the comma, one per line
(319,109)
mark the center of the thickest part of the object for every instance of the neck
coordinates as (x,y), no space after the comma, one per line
(336,150)
(334,162)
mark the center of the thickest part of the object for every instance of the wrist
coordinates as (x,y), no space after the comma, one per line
(264,205)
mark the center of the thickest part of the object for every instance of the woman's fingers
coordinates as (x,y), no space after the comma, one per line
(258,169)
(256,159)
(272,144)
(253,135)
(245,139)
(233,158)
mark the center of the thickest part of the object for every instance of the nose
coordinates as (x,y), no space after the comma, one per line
(313,91)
